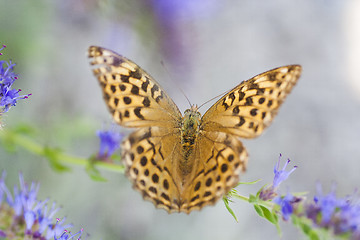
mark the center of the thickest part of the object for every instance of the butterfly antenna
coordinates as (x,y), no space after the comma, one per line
(167,71)
(212,99)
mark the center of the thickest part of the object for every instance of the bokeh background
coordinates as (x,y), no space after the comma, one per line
(204,47)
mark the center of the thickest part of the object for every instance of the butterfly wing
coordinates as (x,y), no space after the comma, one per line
(136,100)
(220,159)
(150,156)
(251,106)
(243,112)
(133,97)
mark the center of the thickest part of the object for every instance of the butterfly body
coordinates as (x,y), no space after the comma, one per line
(190,128)
(183,163)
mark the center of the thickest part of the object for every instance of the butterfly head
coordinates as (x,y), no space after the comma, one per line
(191,120)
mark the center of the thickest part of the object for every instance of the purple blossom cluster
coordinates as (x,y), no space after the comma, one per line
(8,96)
(21,214)
(340,216)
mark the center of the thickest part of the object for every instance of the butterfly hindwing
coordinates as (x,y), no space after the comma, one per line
(221,157)
(149,155)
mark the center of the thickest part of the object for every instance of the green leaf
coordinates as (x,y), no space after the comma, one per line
(226,202)
(24,129)
(313,235)
(258,209)
(267,214)
(306,226)
(271,217)
(93,172)
(52,155)
(248,183)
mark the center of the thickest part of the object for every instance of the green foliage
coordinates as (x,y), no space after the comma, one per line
(54,158)
(24,136)
(264,209)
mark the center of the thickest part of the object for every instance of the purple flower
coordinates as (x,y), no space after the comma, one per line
(109,142)
(67,235)
(341,215)
(8,96)
(22,213)
(286,205)
(280,176)
(327,204)
(3,46)
(7,76)
(347,219)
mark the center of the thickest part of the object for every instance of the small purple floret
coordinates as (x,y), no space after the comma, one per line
(109,142)
(8,96)
(281,175)
(286,205)
(327,204)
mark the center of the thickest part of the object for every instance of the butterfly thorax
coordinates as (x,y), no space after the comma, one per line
(190,127)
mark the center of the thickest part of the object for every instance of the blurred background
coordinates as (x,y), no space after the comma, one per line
(207,47)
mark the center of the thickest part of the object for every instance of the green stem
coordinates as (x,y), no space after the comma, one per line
(241,197)
(30,145)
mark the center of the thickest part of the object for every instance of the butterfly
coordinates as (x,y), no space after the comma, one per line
(184,162)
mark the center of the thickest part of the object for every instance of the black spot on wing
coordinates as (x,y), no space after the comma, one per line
(146,102)
(122,87)
(116,101)
(232,97)
(127,100)
(261,100)
(225,104)
(124,78)
(135,74)
(145,84)
(249,101)
(241,122)
(260,91)
(159,97)
(236,110)
(166,184)
(138,113)
(135,90)
(154,89)
(241,95)
(165,196)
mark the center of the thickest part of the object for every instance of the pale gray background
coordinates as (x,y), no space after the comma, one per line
(214,46)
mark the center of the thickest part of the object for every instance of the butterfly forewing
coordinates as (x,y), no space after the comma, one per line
(133,97)
(251,106)
(178,168)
